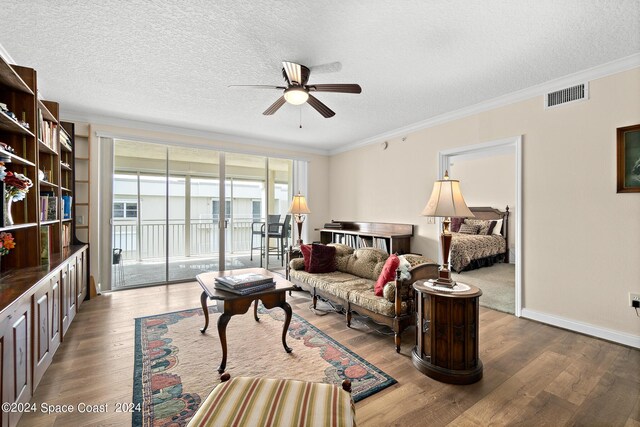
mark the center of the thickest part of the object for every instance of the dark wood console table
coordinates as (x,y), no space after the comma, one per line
(447,335)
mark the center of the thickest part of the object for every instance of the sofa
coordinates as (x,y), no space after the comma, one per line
(352,284)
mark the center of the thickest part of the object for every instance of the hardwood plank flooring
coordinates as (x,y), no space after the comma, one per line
(534,374)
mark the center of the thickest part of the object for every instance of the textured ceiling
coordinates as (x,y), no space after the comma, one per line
(170,62)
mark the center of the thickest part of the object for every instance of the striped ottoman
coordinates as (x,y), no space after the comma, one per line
(246,401)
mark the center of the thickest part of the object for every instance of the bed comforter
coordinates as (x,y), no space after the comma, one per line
(466,248)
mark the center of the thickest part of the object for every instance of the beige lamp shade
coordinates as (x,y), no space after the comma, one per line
(446,200)
(299,205)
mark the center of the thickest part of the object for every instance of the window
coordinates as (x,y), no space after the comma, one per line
(126,210)
(215,209)
(256,209)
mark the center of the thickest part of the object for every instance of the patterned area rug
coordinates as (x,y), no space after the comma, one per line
(176,366)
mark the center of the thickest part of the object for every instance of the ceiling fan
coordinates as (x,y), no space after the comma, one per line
(297,91)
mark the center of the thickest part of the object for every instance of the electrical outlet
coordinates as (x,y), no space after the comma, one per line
(633,297)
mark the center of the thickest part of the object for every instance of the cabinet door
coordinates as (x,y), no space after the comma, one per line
(6,372)
(41,339)
(55,334)
(20,359)
(80,277)
(73,289)
(64,300)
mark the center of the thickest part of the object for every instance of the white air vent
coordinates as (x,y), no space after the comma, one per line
(564,96)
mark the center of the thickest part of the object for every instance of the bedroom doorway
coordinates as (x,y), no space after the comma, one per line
(502,282)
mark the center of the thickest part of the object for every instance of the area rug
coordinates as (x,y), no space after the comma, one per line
(176,366)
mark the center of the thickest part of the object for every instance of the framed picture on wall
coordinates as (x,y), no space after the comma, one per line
(628,154)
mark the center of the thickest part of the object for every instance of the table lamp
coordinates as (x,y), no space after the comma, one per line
(299,209)
(446,201)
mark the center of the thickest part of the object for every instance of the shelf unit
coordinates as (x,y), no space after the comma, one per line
(81,191)
(44,278)
(392,238)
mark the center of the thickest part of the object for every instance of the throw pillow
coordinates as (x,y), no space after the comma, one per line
(455,224)
(482,223)
(491,227)
(469,229)
(387,274)
(323,259)
(306,254)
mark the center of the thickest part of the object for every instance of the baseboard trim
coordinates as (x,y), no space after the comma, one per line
(583,328)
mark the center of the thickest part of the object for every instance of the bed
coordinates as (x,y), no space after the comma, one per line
(471,250)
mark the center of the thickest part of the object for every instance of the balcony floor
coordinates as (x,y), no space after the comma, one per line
(137,273)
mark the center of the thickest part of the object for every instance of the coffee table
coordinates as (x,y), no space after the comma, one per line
(239,304)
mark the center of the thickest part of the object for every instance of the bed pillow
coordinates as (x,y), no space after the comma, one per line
(483,225)
(469,229)
(387,274)
(323,259)
(455,224)
(306,254)
(497,229)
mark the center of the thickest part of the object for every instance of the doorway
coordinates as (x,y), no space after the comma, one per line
(447,158)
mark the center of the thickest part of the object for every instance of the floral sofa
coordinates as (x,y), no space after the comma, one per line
(352,285)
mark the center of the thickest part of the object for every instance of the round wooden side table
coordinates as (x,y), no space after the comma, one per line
(447,333)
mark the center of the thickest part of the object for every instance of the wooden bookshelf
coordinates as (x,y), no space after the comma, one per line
(392,238)
(44,277)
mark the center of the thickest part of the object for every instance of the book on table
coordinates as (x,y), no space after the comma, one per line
(246,290)
(241,281)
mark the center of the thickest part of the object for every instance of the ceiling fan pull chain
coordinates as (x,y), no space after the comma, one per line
(301,117)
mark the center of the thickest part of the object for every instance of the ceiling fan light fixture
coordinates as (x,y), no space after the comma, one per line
(296,95)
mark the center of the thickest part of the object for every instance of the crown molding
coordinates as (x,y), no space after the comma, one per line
(99,119)
(599,71)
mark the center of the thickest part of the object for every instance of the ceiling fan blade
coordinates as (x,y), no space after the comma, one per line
(320,107)
(259,86)
(275,106)
(341,88)
(293,72)
(331,67)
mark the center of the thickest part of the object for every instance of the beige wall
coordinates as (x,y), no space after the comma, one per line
(489,179)
(581,240)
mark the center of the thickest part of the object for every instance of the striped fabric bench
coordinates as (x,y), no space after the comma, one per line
(247,401)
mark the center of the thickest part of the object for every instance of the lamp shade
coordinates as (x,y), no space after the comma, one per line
(299,205)
(446,200)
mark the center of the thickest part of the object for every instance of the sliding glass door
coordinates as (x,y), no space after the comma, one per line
(173,218)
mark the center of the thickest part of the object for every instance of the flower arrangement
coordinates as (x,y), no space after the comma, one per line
(6,243)
(16,184)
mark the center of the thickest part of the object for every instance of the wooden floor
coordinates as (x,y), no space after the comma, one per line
(533,374)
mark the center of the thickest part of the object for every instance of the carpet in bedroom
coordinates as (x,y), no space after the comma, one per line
(497,283)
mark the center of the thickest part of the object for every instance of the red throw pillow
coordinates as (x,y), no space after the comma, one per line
(306,254)
(387,274)
(323,259)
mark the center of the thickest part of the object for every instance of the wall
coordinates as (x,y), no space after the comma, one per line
(318,165)
(581,240)
(489,179)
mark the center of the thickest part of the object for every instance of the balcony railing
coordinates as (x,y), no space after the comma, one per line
(148,239)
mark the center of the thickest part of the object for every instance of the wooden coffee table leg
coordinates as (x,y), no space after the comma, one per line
(205,310)
(255,310)
(223,320)
(287,310)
